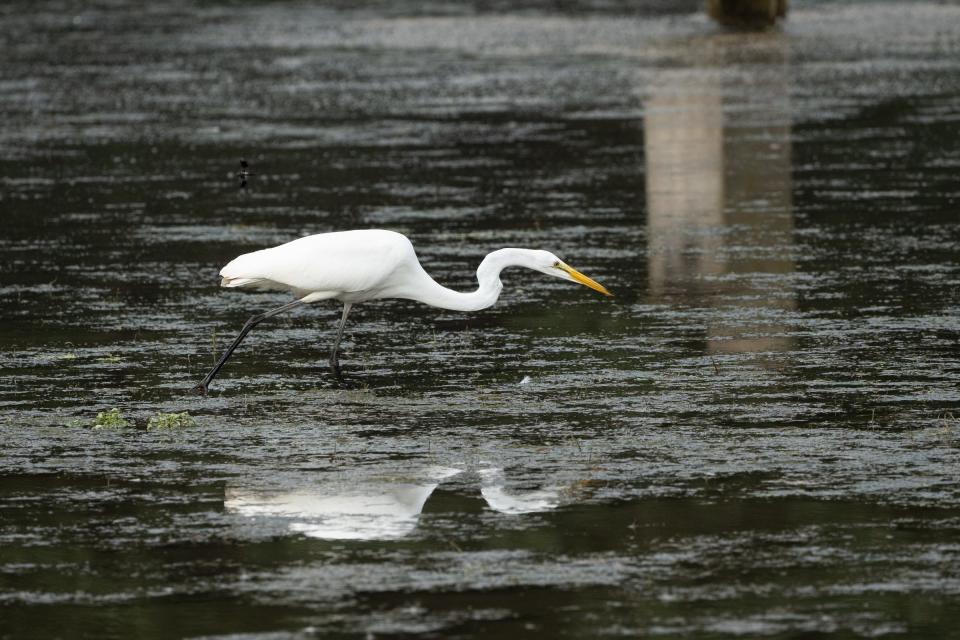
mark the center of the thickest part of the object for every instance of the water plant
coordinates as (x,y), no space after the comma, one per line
(111,419)
(171,421)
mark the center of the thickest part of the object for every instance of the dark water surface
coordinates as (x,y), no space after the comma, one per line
(758,436)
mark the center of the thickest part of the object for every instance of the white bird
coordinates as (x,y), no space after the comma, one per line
(356,266)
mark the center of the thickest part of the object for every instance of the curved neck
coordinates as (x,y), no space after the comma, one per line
(488,276)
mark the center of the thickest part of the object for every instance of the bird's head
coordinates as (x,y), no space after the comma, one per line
(548,263)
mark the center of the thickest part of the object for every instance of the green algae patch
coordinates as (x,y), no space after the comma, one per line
(111,419)
(171,421)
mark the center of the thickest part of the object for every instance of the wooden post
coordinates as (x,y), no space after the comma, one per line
(747,13)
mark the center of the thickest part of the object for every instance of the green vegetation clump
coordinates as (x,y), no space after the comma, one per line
(171,421)
(109,420)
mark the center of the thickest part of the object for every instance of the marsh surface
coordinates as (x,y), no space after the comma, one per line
(757,436)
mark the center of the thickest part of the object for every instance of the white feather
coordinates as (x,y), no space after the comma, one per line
(354,264)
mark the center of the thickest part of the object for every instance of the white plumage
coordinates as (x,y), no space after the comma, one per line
(359,265)
(355,266)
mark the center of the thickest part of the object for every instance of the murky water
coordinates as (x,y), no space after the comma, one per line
(758,436)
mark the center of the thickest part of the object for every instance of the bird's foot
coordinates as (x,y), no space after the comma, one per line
(337,372)
(200,390)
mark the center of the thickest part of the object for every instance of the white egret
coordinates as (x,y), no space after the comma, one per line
(356,266)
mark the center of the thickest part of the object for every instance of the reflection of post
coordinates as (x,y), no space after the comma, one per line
(683,144)
(719,186)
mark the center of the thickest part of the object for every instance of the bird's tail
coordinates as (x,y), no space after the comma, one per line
(244,271)
(226,281)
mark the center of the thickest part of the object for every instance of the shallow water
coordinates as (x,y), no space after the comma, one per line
(758,436)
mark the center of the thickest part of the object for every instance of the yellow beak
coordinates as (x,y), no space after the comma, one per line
(584,280)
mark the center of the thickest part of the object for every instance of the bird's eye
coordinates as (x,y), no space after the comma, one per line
(556,264)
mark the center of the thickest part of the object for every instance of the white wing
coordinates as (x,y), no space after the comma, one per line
(326,265)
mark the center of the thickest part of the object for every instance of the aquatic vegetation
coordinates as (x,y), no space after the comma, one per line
(111,419)
(171,421)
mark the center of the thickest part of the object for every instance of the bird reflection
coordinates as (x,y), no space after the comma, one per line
(492,490)
(376,508)
(370,511)
(718,184)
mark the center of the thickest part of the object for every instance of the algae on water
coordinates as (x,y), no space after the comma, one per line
(171,421)
(112,419)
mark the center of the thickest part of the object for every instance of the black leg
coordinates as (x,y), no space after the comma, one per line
(201,388)
(335,353)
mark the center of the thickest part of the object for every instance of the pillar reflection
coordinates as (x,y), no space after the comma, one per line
(718,184)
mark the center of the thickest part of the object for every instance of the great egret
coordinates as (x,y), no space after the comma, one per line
(356,266)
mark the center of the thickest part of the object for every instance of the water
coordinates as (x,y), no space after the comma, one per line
(758,436)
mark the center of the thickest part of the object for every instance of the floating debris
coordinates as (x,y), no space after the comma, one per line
(244,173)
